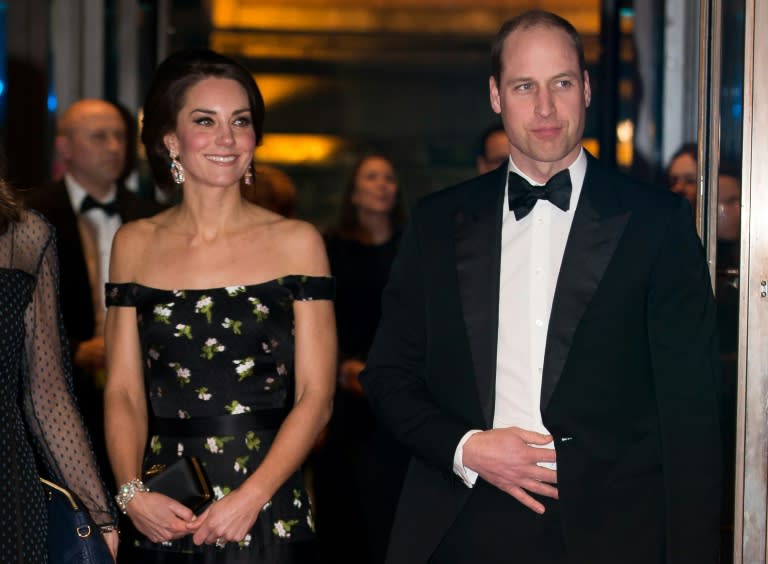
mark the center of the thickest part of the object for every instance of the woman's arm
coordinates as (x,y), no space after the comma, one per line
(315,336)
(125,409)
(50,409)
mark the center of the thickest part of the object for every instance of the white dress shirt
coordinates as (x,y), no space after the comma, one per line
(97,229)
(531,253)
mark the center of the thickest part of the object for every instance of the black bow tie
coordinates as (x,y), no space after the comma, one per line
(109,208)
(523,195)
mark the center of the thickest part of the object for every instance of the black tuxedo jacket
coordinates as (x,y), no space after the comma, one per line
(75,288)
(630,379)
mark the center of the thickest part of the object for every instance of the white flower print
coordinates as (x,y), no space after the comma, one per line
(310,521)
(183,414)
(153,354)
(244,367)
(182,374)
(283,528)
(241,464)
(267,505)
(297,498)
(246,541)
(215,445)
(179,293)
(281,369)
(265,348)
(180,449)
(162,313)
(259,309)
(217,492)
(202,393)
(236,408)
(235,290)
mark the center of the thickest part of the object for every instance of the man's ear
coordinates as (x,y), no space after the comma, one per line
(495,97)
(587,90)
(62,146)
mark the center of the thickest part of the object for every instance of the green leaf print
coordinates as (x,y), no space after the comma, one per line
(183,331)
(252,441)
(211,347)
(236,408)
(155,445)
(204,305)
(241,464)
(233,324)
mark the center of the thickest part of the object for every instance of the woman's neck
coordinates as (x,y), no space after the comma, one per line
(375,227)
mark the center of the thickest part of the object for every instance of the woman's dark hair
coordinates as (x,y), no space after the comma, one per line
(348,225)
(167,95)
(10,206)
(528,20)
(690,149)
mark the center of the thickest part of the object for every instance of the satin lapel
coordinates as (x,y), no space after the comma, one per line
(598,224)
(477,240)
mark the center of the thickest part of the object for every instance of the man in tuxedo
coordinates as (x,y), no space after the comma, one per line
(547,349)
(86,207)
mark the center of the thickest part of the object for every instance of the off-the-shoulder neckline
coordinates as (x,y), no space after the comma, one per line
(221,288)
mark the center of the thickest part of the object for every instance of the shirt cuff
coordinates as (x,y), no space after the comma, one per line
(467,475)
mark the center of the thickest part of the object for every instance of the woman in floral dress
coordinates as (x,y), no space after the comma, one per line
(220,334)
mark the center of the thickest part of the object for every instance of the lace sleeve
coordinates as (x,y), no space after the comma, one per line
(49,403)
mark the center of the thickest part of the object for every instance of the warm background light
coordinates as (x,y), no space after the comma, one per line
(296,149)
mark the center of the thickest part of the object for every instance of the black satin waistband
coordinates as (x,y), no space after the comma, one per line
(265,419)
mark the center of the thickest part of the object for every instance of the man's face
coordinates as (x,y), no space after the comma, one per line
(496,152)
(93,146)
(542,98)
(728,208)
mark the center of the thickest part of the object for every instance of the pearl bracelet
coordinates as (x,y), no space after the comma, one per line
(128,491)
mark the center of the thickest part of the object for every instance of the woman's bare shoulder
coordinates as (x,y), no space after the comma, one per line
(130,244)
(302,246)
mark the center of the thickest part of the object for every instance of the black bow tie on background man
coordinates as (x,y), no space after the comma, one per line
(523,196)
(109,208)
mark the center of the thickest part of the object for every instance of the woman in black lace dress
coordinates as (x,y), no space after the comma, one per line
(220,333)
(36,393)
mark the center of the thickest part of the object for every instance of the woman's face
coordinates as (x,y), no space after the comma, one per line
(682,177)
(375,186)
(214,135)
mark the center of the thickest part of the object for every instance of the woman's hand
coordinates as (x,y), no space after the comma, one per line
(160,518)
(228,519)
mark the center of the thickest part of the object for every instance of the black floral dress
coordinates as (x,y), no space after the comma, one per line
(225,352)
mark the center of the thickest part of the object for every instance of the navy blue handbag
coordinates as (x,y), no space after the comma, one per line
(73,538)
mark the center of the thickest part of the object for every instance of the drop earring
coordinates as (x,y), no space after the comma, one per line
(177,171)
(248,176)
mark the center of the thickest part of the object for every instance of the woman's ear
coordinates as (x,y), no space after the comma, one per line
(171,143)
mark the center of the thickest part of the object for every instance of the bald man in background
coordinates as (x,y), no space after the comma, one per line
(87,206)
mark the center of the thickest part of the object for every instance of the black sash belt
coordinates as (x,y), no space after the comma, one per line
(266,419)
